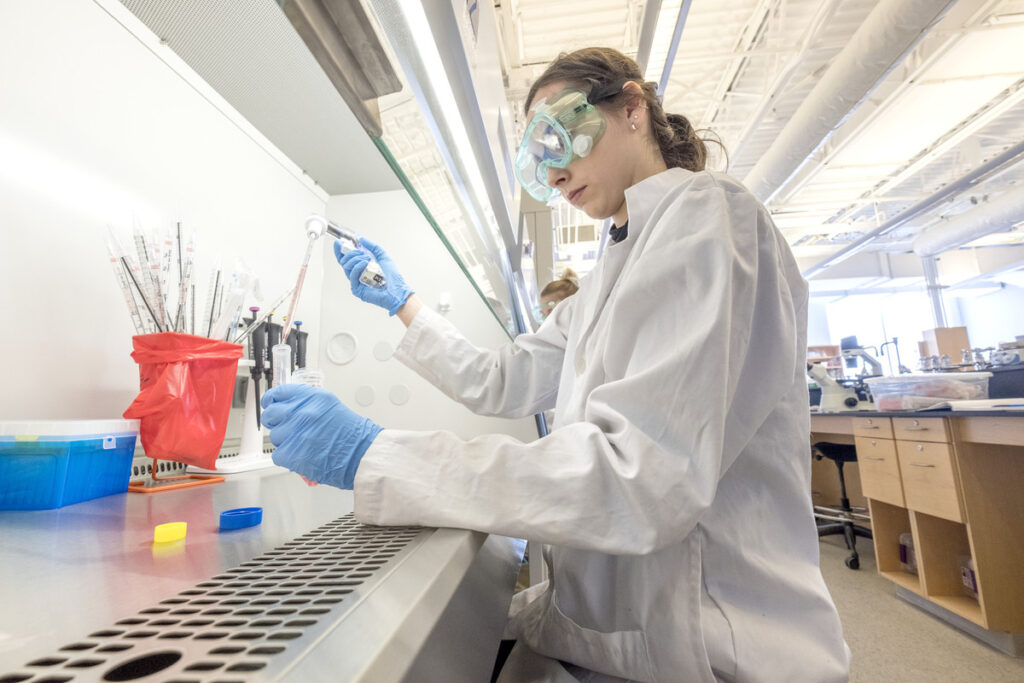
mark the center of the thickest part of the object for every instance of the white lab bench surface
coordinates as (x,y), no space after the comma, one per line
(307,595)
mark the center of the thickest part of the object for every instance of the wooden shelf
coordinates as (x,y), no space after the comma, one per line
(965,606)
(904,580)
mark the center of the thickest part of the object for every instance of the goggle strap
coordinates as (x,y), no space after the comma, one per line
(600,93)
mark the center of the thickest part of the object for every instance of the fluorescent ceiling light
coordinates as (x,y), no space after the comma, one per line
(450,116)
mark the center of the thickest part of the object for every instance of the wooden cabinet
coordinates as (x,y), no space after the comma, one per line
(920,429)
(873,427)
(929,483)
(957,486)
(879,470)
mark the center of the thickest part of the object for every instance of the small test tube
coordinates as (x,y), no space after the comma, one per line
(282,362)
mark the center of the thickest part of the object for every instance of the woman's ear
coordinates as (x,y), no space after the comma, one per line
(636,105)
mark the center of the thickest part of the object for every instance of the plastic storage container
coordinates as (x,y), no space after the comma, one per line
(919,391)
(908,558)
(50,464)
(967,576)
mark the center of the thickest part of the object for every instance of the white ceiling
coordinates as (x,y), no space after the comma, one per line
(954,101)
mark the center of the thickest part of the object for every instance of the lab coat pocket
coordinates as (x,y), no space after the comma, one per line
(619,653)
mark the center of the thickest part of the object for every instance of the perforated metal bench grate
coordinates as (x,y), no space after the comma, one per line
(245,624)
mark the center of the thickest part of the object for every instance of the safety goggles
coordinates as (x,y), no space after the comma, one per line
(561,130)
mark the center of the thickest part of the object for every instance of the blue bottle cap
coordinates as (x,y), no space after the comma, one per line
(240,518)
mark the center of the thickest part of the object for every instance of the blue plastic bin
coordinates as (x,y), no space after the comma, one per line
(46,465)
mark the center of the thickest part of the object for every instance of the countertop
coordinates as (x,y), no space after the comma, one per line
(71,575)
(923,413)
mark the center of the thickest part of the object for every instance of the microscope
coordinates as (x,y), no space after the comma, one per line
(838,396)
(854,355)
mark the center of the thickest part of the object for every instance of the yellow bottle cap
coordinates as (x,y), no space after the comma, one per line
(172,531)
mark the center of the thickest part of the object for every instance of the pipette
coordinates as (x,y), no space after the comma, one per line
(185,280)
(372,276)
(126,289)
(314,229)
(270,311)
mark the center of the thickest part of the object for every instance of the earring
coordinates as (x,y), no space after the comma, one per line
(634,122)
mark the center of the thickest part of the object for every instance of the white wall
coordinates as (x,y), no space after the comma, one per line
(817,324)
(991,318)
(392,220)
(100,124)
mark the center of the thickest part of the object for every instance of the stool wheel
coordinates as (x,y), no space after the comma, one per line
(853,562)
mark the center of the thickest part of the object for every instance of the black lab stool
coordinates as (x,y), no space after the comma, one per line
(842,520)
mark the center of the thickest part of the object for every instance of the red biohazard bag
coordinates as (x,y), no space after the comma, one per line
(186,384)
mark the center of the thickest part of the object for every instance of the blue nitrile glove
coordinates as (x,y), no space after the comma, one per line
(390,297)
(315,434)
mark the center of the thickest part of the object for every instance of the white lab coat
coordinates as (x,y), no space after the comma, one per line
(674,495)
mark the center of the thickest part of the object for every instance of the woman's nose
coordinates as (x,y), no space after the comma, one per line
(557,177)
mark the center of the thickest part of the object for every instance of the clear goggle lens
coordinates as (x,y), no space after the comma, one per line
(549,140)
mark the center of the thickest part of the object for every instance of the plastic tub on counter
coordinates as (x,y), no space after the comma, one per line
(925,390)
(50,464)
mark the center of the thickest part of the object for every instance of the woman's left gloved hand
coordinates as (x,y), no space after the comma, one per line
(315,434)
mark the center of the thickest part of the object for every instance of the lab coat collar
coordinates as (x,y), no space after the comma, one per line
(645,195)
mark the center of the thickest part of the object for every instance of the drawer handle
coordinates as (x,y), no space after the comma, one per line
(920,464)
(872,457)
(915,429)
(869,427)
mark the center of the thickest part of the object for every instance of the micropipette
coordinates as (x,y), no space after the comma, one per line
(270,311)
(373,276)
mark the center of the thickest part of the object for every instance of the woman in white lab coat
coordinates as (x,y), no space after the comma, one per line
(673,498)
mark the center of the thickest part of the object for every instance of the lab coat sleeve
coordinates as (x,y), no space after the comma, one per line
(637,474)
(517,380)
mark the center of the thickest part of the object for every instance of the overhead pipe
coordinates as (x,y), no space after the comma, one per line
(887,35)
(677,32)
(934,289)
(988,217)
(995,165)
(820,19)
(648,25)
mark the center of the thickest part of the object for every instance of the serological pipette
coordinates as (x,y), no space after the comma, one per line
(314,230)
(185,281)
(126,289)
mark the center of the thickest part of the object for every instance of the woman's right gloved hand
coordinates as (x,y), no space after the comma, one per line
(393,295)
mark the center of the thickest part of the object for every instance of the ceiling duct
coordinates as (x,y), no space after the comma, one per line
(342,40)
(993,216)
(881,42)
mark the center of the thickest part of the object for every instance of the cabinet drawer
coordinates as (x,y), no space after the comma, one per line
(879,470)
(874,427)
(920,429)
(929,484)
